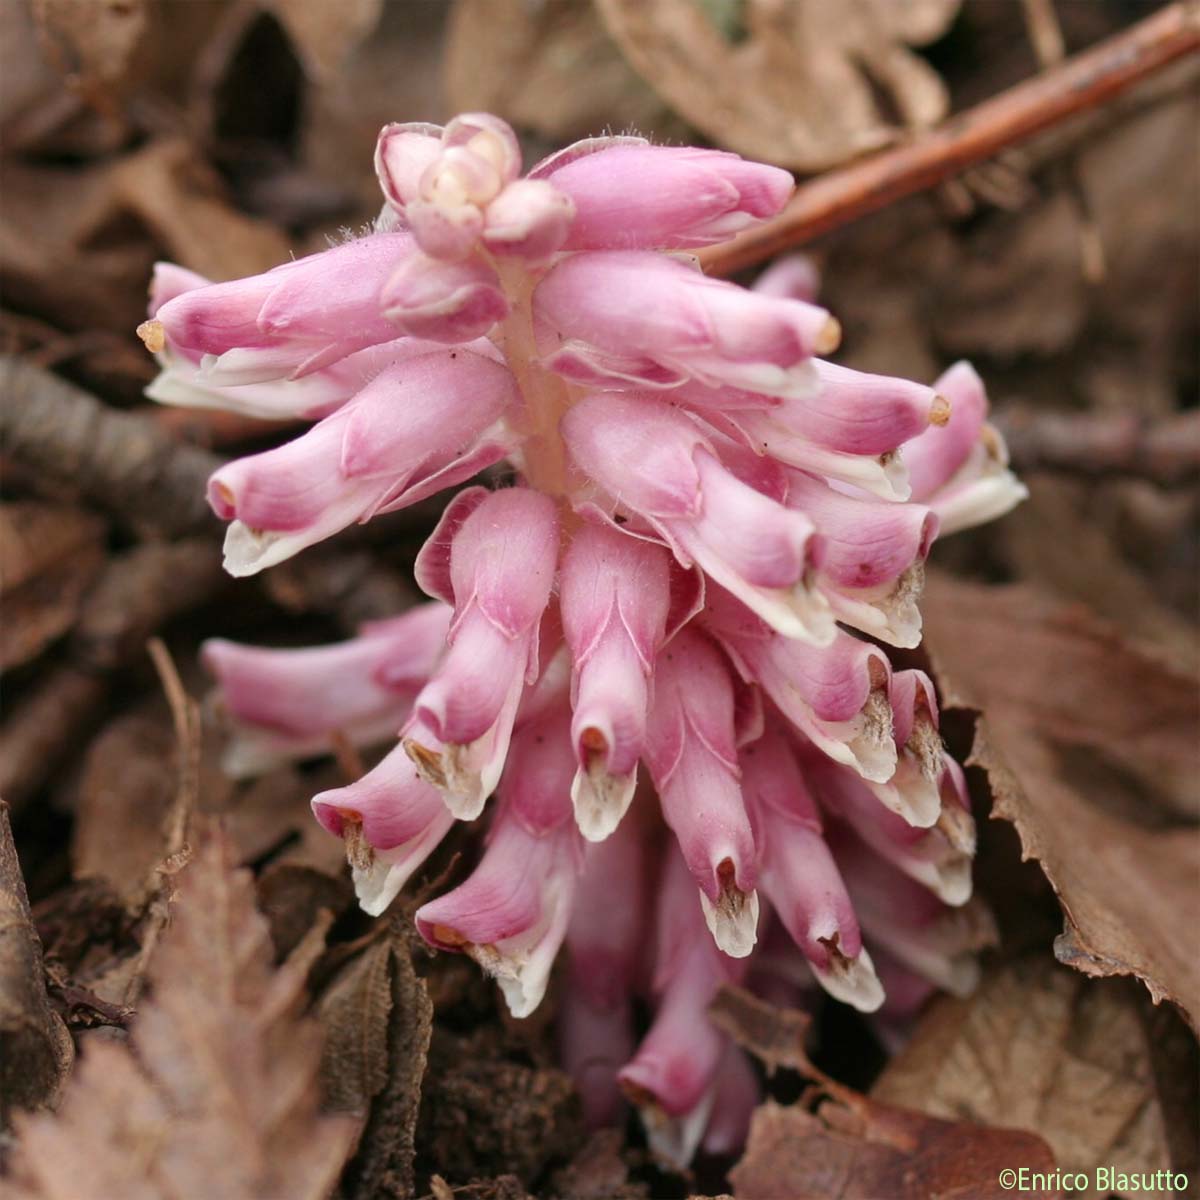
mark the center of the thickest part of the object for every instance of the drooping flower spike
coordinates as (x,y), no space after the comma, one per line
(655,664)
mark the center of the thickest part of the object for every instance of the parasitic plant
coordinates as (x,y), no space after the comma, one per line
(654,656)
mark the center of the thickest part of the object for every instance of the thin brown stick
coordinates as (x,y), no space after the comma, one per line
(185,715)
(1080,83)
(69,439)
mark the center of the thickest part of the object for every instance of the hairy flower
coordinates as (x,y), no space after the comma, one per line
(662,646)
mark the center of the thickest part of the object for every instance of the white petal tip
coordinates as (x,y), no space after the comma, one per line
(377,885)
(463,791)
(600,801)
(732,921)
(851,980)
(953,883)
(521,980)
(248,551)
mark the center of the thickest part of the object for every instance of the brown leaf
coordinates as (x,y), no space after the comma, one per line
(221,1099)
(139,592)
(271,814)
(92,40)
(774,1035)
(1041,1047)
(292,897)
(849,1145)
(180,200)
(35,1048)
(324,34)
(799,88)
(551,68)
(355,1008)
(866,1149)
(1063,512)
(383,1166)
(1087,743)
(44,728)
(125,793)
(77,245)
(49,554)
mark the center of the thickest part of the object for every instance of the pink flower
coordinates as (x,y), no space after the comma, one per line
(444,301)
(391,820)
(693,761)
(673,1076)
(615,596)
(656,637)
(289,322)
(684,325)
(630,195)
(872,564)
(962,469)
(656,463)
(492,558)
(606,945)
(287,704)
(511,915)
(936,941)
(800,877)
(849,429)
(938,857)
(384,449)
(836,695)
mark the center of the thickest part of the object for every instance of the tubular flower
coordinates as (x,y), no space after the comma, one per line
(661,644)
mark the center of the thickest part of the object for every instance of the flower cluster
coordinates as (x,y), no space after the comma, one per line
(656,658)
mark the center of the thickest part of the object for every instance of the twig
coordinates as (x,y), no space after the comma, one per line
(124,463)
(1103,443)
(141,590)
(1080,83)
(214,428)
(185,715)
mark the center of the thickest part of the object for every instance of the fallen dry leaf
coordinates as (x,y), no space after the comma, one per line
(92,41)
(550,68)
(1091,751)
(774,1035)
(125,794)
(1064,512)
(35,1048)
(1041,1047)
(271,815)
(180,200)
(354,1008)
(221,1098)
(866,1149)
(799,89)
(49,554)
(389,1069)
(293,896)
(323,33)
(102,226)
(838,1143)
